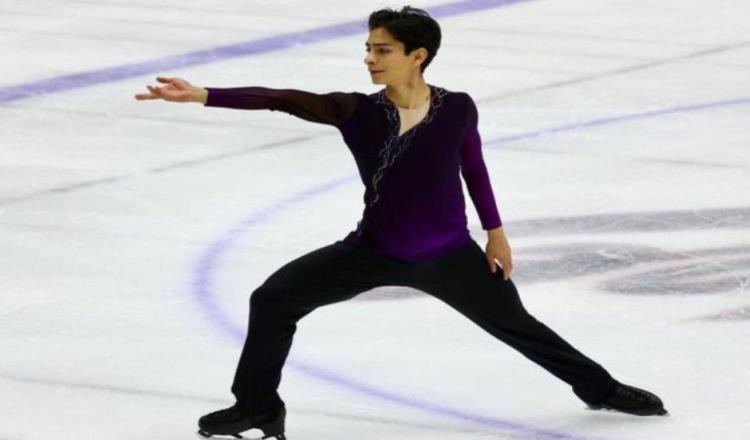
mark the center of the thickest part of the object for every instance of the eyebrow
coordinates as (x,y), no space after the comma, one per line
(377,44)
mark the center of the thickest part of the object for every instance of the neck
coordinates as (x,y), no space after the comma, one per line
(409,94)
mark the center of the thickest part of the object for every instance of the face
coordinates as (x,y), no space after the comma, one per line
(386,60)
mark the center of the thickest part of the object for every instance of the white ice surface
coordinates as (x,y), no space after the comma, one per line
(631,237)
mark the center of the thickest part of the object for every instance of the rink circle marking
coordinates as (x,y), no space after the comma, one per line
(203,290)
(204,294)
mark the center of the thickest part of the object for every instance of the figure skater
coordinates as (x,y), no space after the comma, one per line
(412,142)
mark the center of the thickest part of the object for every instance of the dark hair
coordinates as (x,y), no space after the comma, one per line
(412,26)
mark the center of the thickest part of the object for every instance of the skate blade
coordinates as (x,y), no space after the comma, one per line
(662,413)
(205,434)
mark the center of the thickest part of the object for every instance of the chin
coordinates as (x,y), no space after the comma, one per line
(378,79)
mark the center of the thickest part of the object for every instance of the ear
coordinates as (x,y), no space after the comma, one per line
(420,56)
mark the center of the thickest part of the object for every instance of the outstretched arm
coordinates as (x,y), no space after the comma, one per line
(330,108)
(474,172)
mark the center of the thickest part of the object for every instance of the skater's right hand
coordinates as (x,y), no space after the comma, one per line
(175,90)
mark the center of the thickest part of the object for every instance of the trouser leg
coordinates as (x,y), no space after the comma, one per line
(327,275)
(463,281)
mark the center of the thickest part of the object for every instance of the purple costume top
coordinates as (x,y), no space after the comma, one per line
(414,202)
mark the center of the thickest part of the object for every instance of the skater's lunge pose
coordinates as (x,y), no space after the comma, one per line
(412,143)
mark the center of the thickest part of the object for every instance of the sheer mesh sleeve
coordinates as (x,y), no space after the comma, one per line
(331,108)
(475,173)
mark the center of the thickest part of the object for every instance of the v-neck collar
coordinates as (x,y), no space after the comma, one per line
(396,144)
(437,94)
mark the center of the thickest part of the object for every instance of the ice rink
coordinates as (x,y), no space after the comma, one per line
(133,232)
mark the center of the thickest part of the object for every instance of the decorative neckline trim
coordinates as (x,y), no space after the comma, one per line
(437,95)
(396,144)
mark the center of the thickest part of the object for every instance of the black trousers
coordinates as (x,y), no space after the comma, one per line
(341,270)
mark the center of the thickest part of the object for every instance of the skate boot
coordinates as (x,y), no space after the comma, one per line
(232,421)
(631,400)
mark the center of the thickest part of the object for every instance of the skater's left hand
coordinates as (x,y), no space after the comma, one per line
(499,248)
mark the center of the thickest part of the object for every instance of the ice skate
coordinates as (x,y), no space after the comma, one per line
(631,400)
(232,421)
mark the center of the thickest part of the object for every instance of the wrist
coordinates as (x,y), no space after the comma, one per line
(496,232)
(200,95)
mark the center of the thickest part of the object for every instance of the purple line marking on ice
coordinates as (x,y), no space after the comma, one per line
(432,408)
(203,289)
(220,53)
(619,118)
(204,292)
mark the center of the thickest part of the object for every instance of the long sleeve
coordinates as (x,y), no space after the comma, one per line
(474,171)
(331,108)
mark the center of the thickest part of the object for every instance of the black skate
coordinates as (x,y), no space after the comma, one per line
(232,421)
(631,400)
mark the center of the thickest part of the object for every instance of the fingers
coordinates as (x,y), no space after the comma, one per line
(143,96)
(493,265)
(506,265)
(507,269)
(166,93)
(155,94)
